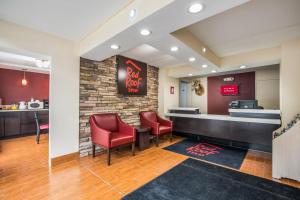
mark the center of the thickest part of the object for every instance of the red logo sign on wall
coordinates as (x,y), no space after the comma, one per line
(132,76)
(230,90)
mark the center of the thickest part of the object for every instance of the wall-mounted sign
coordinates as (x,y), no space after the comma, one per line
(229,90)
(228,79)
(172,90)
(197,86)
(132,76)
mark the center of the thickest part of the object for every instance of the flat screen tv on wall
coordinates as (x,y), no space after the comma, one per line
(131,76)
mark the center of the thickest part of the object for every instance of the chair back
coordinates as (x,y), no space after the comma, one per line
(36,118)
(107,121)
(149,115)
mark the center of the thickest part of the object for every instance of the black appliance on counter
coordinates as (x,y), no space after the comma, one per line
(46,103)
(244,104)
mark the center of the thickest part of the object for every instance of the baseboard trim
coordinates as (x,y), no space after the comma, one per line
(63,159)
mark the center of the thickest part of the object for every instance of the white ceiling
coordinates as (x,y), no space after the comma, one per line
(151,55)
(227,27)
(75,19)
(23,61)
(162,23)
(254,25)
(70,19)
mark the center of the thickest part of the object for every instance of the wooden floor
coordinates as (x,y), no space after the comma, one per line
(24,172)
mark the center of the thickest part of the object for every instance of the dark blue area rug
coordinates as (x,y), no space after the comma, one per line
(196,180)
(222,155)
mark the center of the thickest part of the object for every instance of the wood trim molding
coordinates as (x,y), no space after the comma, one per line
(63,159)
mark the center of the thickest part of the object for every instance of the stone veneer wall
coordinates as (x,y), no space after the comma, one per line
(98,94)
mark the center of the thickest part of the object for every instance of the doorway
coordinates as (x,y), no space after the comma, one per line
(24,105)
(183,94)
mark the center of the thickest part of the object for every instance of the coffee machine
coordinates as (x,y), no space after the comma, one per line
(46,103)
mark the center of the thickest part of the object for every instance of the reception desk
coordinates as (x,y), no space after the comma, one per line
(243,132)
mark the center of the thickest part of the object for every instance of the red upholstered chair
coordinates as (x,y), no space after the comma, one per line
(158,125)
(109,131)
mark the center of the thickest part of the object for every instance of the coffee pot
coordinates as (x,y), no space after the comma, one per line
(22,105)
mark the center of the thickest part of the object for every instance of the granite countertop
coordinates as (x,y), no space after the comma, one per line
(226,118)
(261,111)
(26,110)
(183,108)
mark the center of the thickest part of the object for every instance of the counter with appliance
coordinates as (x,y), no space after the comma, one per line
(242,132)
(17,123)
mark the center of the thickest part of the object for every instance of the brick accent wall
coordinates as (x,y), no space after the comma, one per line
(98,94)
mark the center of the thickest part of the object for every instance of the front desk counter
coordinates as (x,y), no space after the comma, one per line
(242,132)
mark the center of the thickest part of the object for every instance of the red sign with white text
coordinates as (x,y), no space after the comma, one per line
(132,76)
(229,90)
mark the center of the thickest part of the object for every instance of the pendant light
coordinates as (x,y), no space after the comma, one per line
(24,81)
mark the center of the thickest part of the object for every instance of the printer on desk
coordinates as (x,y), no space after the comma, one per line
(244,104)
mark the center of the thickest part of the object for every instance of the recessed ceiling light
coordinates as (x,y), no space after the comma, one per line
(190,74)
(192,59)
(243,66)
(132,13)
(145,32)
(204,65)
(213,71)
(175,48)
(114,46)
(42,63)
(195,8)
(203,49)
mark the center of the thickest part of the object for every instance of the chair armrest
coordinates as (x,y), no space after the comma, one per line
(99,136)
(164,122)
(125,128)
(154,125)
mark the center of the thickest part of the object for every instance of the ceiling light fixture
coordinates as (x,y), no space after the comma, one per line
(114,46)
(195,8)
(190,74)
(145,32)
(132,13)
(243,66)
(42,63)
(175,48)
(24,81)
(213,71)
(204,65)
(192,59)
(203,49)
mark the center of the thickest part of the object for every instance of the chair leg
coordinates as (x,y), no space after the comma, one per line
(108,156)
(94,150)
(157,141)
(38,136)
(133,149)
(171,137)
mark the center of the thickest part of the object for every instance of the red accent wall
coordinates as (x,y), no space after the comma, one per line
(12,91)
(217,103)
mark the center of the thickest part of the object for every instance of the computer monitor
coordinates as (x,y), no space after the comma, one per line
(248,104)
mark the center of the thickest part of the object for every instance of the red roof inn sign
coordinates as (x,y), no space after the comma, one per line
(132,76)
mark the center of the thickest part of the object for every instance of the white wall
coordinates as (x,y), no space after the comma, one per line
(290,80)
(198,101)
(165,99)
(64,82)
(267,87)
